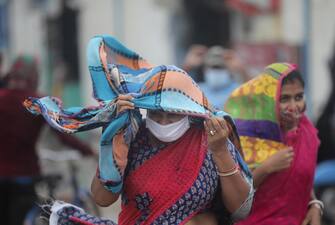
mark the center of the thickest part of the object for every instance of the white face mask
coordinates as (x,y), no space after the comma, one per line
(169,132)
(217,78)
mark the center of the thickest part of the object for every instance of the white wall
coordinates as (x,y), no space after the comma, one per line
(147,30)
(140,25)
(95,18)
(322,39)
(26,33)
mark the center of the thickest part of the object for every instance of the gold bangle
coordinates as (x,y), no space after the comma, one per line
(227,174)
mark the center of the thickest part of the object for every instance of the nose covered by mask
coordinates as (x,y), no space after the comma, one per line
(170,132)
(217,78)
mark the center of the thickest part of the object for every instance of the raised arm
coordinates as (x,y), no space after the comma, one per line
(315,210)
(101,195)
(235,189)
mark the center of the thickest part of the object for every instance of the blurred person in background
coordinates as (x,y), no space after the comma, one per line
(326,121)
(223,71)
(19,134)
(324,181)
(280,145)
(193,62)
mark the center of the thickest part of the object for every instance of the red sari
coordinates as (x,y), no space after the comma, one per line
(291,186)
(163,179)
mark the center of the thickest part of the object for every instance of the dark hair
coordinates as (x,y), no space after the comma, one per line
(292,76)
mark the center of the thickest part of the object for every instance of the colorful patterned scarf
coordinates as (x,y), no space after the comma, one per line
(165,88)
(253,106)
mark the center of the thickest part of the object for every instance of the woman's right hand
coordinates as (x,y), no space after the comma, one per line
(123,103)
(279,161)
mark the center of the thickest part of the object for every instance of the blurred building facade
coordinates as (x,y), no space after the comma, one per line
(58,31)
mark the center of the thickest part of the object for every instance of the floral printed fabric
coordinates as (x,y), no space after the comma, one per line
(254,107)
(67,214)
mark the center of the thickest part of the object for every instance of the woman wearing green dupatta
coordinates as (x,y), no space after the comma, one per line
(280,145)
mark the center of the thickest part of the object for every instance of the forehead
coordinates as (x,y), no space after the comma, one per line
(292,87)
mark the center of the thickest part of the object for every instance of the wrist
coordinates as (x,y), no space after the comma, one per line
(232,171)
(220,153)
(266,169)
(223,161)
(317,204)
(220,148)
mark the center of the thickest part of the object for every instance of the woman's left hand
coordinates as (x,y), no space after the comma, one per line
(313,216)
(218,132)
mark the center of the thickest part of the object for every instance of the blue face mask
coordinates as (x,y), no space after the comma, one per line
(217,78)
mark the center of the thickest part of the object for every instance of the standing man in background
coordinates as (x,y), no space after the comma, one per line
(223,72)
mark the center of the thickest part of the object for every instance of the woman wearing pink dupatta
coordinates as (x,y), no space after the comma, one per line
(280,145)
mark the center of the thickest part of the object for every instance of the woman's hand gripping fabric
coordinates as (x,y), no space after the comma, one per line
(120,148)
(218,132)
(123,103)
(279,161)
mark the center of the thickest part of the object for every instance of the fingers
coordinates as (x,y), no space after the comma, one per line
(216,125)
(125,97)
(206,127)
(282,159)
(222,123)
(288,153)
(124,103)
(209,127)
(123,108)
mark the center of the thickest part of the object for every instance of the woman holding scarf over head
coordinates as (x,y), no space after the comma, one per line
(180,165)
(280,145)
